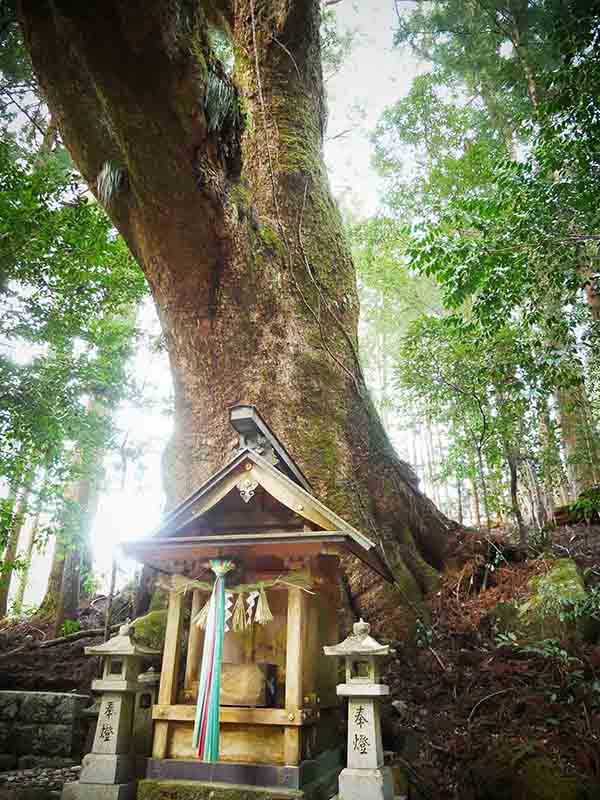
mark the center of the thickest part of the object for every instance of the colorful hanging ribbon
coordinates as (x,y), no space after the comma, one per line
(206,727)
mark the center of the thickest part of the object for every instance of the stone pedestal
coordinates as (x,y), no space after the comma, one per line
(109,770)
(99,791)
(365,777)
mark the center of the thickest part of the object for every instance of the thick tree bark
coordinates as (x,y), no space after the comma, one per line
(234,226)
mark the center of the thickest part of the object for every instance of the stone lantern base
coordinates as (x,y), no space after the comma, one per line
(99,791)
(366,784)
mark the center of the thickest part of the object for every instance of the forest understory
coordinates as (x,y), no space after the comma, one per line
(467,717)
(479,717)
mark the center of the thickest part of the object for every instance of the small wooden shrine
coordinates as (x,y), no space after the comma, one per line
(277,711)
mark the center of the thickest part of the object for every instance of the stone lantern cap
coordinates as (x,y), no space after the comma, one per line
(122,644)
(359,643)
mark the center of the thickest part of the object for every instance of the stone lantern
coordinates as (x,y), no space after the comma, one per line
(109,771)
(365,777)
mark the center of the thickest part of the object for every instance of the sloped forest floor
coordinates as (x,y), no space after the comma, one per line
(30,661)
(462,706)
(471,714)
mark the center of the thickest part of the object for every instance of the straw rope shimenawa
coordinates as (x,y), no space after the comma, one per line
(256,596)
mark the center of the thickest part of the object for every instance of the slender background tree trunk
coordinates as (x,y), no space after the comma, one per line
(30,539)
(579,437)
(10,553)
(51,599)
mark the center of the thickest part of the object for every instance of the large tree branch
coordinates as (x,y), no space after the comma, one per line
(126,82)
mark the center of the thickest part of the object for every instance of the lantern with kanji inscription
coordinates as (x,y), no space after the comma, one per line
(110,771)
(365,777)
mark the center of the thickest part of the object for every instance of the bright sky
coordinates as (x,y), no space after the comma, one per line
(374,76)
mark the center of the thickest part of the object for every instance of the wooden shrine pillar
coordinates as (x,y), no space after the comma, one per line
(194,650)
(296,622)
(167,692)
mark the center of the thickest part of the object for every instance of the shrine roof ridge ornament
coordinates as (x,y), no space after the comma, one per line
(256,435)
(359,643)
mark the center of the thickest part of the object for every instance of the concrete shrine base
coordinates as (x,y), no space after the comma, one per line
(199,790)
(314,779)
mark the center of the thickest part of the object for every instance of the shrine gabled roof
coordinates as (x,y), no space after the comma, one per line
(179,529)
(189,508)
(276,483)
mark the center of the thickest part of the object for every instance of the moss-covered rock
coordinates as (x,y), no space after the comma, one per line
(160,599)
(503,617)
(521,775)
(150,629)
(196,790)
(540,614)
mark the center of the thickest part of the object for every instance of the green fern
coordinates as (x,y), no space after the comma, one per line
(220,103)
(111,179)
(69,626)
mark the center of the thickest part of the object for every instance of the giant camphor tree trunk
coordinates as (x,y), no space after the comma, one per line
(219,188)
